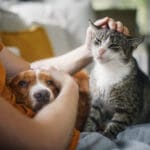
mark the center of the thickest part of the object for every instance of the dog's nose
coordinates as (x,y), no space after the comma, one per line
(42,96)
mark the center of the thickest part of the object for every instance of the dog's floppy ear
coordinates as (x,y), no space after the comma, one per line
(82,80)
(10,85)
(9,80)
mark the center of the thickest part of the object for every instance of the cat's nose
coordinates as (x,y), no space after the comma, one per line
(101,51)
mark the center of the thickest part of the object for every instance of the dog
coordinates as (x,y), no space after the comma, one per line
(36,88)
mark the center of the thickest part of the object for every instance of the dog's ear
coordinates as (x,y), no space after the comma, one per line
(82,79)
(9,80)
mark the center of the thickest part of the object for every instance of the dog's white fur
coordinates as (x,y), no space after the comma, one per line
(38,82)
(37,87)
(34,91)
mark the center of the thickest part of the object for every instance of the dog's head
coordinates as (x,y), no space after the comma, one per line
(33,88)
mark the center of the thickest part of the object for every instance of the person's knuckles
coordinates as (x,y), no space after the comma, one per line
(119,26)
(101,21)
(126,31)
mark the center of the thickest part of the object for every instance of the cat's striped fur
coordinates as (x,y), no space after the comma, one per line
(117,85)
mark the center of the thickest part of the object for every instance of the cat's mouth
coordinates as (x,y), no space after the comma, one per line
(103,59)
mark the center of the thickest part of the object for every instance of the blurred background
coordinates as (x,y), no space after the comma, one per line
(35,29)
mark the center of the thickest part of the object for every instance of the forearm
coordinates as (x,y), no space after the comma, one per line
(50,129)
(12,63)
(63,113)
(70,62)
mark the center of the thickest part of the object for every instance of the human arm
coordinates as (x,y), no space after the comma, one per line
(51,128)
(70,62)
(12,63)
(76,59)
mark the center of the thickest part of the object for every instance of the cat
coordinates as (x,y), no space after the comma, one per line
(119,90)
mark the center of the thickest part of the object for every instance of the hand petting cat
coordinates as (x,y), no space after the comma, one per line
(105,22)
(77,59)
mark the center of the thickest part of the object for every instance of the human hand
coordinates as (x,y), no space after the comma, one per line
(63,80)
(105,22)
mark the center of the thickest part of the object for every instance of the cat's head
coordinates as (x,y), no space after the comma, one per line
(108,45)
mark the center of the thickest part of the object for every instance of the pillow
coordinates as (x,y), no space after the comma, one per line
(11,22)
(70,15)
(33,43)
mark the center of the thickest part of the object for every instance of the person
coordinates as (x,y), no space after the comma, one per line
(53,126)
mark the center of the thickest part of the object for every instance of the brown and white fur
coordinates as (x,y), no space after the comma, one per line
(35,89)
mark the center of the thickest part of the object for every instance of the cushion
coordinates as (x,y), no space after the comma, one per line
(33,43)
(10,21)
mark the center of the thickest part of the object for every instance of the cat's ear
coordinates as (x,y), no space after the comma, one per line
(135,41)
(93,26)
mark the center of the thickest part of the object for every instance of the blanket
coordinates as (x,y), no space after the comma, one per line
(135,137)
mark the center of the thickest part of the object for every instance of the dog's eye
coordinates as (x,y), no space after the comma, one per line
(49,82)
(23,83)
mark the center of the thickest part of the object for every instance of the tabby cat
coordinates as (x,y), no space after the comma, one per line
(119,90)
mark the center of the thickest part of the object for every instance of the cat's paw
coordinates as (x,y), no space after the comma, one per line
(109,135)
(111,131)
(89,126)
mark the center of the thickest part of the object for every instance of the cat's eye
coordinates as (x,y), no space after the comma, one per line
(114,47)
(49,82)
(23,83)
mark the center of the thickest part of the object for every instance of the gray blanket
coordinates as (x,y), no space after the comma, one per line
(133,138)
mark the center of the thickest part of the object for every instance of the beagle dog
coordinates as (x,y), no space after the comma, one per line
(35,89)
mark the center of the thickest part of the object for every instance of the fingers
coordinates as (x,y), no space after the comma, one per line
(60,78)
(112,24)
(102,21)
(119,26)
(126,31)
(106,22)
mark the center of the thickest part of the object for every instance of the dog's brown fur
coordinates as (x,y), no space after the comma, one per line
(82,80)
(84,101)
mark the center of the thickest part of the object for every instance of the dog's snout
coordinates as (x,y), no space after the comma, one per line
(42,96)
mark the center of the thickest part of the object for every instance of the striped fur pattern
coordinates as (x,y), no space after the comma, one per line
(117,86)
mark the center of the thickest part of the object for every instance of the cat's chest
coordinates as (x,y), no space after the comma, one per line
(100,85)
(102,80)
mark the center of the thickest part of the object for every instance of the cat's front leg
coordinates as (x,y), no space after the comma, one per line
(94,120)
(117,124)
